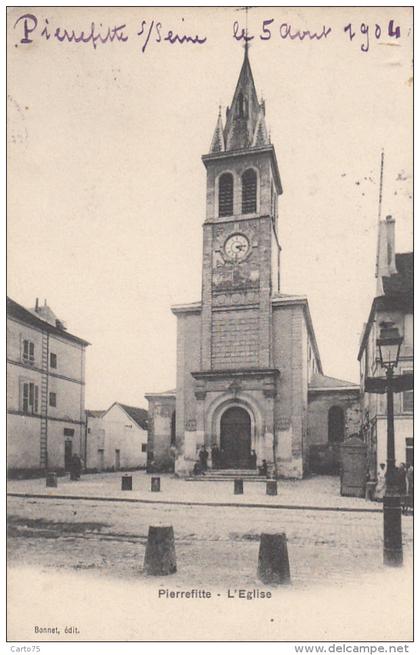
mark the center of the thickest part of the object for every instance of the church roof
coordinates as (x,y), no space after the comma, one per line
(326,383)
(245,118)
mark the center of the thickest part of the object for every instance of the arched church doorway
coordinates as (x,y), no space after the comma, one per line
(235,438)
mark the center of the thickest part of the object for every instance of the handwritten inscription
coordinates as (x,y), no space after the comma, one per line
(29,28)
(284,30)
(154,29)
(391,31)
(29,24)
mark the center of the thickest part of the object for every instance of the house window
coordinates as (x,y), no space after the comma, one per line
(29,398)
(68,432)
(144,448)
(408,398)
(409,452)
(53,360)
(408,402)
(249,192)
(226,194)
(53,399)
(28,351)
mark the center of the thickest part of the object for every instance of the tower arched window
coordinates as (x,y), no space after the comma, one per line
(249,192)
(226,194)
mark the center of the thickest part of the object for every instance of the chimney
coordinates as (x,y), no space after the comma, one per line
(37,304)
(390,244)
(385,257)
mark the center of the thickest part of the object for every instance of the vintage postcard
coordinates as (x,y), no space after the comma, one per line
(210,324)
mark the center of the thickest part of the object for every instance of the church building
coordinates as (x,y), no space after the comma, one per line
(248,365)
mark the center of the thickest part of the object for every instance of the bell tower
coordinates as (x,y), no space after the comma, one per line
(241,251)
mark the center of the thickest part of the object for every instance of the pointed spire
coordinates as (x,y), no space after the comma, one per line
(243,115)
(218,141)
(261,137)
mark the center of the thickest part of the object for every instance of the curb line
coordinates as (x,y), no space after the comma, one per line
(114,499)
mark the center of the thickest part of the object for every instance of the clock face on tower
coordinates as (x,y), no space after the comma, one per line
(236,247)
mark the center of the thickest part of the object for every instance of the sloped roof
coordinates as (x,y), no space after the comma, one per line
(14,310)
(95,413)
(240,125)
(138,414)
(398,294)
(324,382)
(402,282)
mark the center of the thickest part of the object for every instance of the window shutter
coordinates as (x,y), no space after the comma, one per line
(226,194)
(25,396)
(36,399)
(249,192)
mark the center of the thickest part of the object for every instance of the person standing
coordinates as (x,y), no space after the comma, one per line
(410,486)
(215,454)
(380,484)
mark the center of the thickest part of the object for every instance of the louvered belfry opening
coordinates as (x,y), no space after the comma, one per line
(249,192)
(226,194)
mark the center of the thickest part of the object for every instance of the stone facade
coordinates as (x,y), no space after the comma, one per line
(45,391)
(326,435)
(245,350)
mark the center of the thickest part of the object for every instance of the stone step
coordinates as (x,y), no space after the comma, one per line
(219,478)
(235,472)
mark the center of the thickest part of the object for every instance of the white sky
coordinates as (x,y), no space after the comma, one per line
(107,189)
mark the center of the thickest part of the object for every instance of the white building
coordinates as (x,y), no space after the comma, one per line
(393,303)
(116,439)
(45,391)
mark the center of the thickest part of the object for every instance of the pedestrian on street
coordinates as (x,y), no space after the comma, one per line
(205,458)
(253,459)
(410,487)
(380,484)
(215,455)
(263,470)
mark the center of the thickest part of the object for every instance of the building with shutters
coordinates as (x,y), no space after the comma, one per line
(248,365)
(393,303)
(45,391)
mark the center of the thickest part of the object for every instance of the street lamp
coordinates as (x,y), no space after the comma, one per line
(389,344)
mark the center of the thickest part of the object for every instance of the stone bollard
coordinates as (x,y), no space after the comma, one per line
(273,559)
(51,480)
(160,558)
(271,489)
(155,485)
(126,483)
(238,486)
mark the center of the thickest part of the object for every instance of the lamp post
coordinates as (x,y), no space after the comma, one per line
(389,344)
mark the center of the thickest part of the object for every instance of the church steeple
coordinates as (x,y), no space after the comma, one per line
(245,121)
(218,141)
